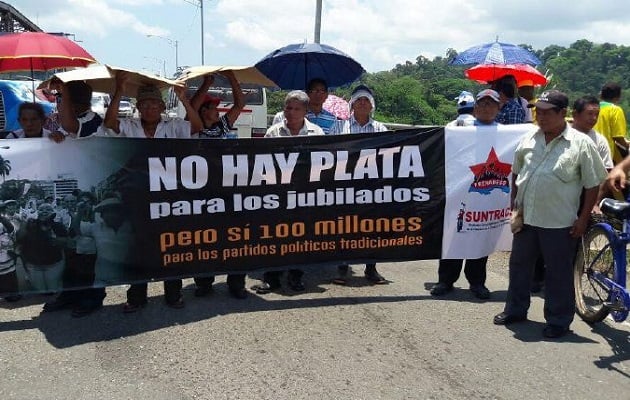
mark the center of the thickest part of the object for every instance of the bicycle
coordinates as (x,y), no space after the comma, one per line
(600,265)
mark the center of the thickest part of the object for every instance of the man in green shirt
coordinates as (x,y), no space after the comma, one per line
(552,165)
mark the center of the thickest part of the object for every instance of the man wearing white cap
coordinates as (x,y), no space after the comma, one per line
(360,121)
(361,108)
(465,106)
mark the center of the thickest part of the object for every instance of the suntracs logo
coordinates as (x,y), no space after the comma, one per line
(490,175)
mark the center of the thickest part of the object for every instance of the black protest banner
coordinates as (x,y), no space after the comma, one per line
(178,208)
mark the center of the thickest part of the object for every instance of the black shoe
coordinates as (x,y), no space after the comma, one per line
(296,285)
(342,275)
(203,291)
(83,311)
(177,304)
(480,291)
(440,289)
(266,287)
(374,277)
(507,319)
(13,298)
(57,305)
(238,293)
(554,331)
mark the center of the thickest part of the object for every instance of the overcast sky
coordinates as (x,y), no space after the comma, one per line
(378,34)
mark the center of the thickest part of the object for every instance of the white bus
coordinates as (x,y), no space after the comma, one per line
(252,122)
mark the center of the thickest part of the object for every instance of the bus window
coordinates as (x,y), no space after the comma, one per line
(252,121)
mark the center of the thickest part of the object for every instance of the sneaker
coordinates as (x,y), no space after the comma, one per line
(480,291)
(265,287)
(440,289)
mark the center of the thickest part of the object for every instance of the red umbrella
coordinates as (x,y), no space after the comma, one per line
(337,106)
(39,51)
(485,73)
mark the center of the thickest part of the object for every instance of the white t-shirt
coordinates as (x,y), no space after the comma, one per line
(280,129)
(173,128)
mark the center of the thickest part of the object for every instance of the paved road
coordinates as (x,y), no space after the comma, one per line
(354,342)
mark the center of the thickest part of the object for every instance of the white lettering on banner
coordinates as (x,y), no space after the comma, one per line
(371,164)
(164,175)
(183,207)
(236,169)
(341,196)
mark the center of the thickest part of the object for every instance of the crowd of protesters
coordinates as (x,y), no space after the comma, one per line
(67,243)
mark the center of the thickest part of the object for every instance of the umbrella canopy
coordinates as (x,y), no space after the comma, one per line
(337,106)
(243,74)
(102,78)
(293,66)
(39,51)
(485,73)
(495,53)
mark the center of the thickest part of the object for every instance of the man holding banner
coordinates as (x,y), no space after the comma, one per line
(485,111)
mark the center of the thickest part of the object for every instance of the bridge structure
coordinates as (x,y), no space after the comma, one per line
(11,20)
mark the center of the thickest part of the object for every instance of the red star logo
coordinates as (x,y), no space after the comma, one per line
(492,166)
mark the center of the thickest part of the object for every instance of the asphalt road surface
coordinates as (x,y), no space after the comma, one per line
(331,342)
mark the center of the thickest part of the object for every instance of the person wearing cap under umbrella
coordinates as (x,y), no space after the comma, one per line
(553,165)
(150,124)
(361,108)
(465,106)
(485,111)
(215,126)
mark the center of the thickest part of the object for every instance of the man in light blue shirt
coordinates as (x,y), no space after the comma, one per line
(360,121)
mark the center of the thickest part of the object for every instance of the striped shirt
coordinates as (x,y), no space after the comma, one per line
(352,126)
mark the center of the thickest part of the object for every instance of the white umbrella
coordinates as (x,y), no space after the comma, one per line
(102,78)
(242,74)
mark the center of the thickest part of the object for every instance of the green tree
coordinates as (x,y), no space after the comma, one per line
(5,167)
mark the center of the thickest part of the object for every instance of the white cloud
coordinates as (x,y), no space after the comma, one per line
(379,34)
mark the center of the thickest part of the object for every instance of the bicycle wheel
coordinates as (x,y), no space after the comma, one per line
(594,255)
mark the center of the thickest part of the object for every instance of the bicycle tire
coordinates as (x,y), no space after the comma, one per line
(590,296)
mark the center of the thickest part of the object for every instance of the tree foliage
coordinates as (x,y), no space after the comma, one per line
(423,92)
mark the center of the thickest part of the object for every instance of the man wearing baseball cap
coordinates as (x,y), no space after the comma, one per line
(553,165)
(485,110)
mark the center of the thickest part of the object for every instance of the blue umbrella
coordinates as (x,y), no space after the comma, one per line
(495,53)
(293,66)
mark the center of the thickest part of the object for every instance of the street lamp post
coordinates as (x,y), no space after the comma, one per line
(159,61)
(173,43)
